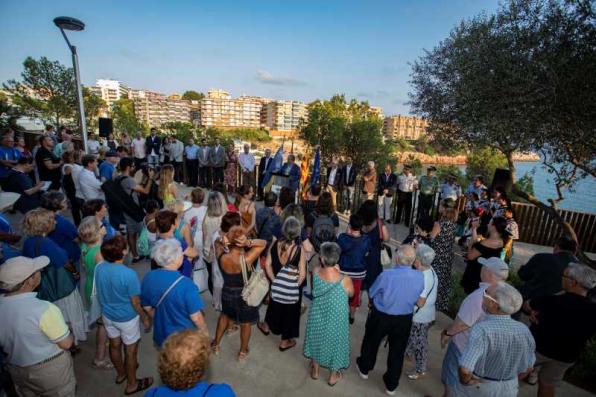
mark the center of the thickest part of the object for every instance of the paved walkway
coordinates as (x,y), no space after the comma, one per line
(269,372)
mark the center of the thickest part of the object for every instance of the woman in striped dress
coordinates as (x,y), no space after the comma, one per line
(286,268)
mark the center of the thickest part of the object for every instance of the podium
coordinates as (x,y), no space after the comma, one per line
(279,180)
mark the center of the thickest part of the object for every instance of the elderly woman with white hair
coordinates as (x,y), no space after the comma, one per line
(173,300)
(500,349)
(424,312)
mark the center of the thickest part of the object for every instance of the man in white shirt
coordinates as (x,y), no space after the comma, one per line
(407,183)
(333,181)
(93,145)
(247,166)
(138,150)
(90,185)
(176,158)
(33,335)
(191,152)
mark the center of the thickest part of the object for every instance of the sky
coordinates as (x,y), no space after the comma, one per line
(300,50)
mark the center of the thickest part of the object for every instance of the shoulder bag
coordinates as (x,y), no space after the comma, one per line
(170,288)
(255,288)
(94,305)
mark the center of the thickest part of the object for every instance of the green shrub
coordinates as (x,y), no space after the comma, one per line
(585,368)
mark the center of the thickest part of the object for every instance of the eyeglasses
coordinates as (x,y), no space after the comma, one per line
(487,296)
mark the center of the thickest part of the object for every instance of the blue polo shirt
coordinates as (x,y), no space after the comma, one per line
(106,170)
(64,234)
(397,290)
(116,284)
(8,153)
(200,389)
(173,314)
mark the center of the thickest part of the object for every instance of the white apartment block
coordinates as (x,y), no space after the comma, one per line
(404,127)
(109,90)
(285,115)
(218,109)
(155,109)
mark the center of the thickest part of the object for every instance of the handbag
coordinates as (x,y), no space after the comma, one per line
(385,249)
(200,275)
(56,283)
(94,307)
(256,287)
(170,288)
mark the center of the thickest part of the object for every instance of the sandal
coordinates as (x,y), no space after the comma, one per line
(119,381)
(232,330)
(339,377)
(214,348)
(242,356)
(266,333)
(283,349)
(142,384)
(102,364)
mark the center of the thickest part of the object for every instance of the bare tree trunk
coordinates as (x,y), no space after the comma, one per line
(552,212)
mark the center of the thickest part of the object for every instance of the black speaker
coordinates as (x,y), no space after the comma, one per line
(106,127)
(501,179)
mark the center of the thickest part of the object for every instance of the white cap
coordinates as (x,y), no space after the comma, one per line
(495,265)
(18,269)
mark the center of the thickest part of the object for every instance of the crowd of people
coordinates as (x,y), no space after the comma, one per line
(290,258)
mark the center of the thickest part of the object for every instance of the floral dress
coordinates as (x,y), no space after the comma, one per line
(443,246)
(231,171)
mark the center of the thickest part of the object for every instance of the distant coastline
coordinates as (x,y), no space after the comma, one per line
(456,160)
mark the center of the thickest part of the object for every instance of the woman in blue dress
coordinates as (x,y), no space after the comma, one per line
(65,233)
(167,223)
(58,281)
(99,209)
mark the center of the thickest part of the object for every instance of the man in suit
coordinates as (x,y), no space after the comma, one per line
(386,191)
(218,161)
(176,158)
(333,180)
(264,164)
(152,147)
(348,182)
(291,170)
(204,157)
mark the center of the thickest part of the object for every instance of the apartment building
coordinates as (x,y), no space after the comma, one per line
(155,109)
(404,127)
(284,115)
(219,109)
(110,91)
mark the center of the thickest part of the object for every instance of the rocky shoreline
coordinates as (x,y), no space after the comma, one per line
(455,160)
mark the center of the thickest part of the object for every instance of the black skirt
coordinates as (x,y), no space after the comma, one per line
(284,319)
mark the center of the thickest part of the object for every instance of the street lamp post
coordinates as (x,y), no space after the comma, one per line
(68,23)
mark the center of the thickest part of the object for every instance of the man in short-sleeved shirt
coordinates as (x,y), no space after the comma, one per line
(48,165)
(107,169)
(35,334)
(116,284)
(174,313)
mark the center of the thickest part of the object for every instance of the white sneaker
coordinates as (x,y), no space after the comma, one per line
(363,376)
(391,393)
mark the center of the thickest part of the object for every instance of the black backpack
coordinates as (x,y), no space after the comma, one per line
(323,230)
(119,201)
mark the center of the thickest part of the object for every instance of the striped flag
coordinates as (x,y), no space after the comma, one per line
(304,177)
(316,170)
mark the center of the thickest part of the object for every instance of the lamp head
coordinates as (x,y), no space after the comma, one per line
(68,23)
